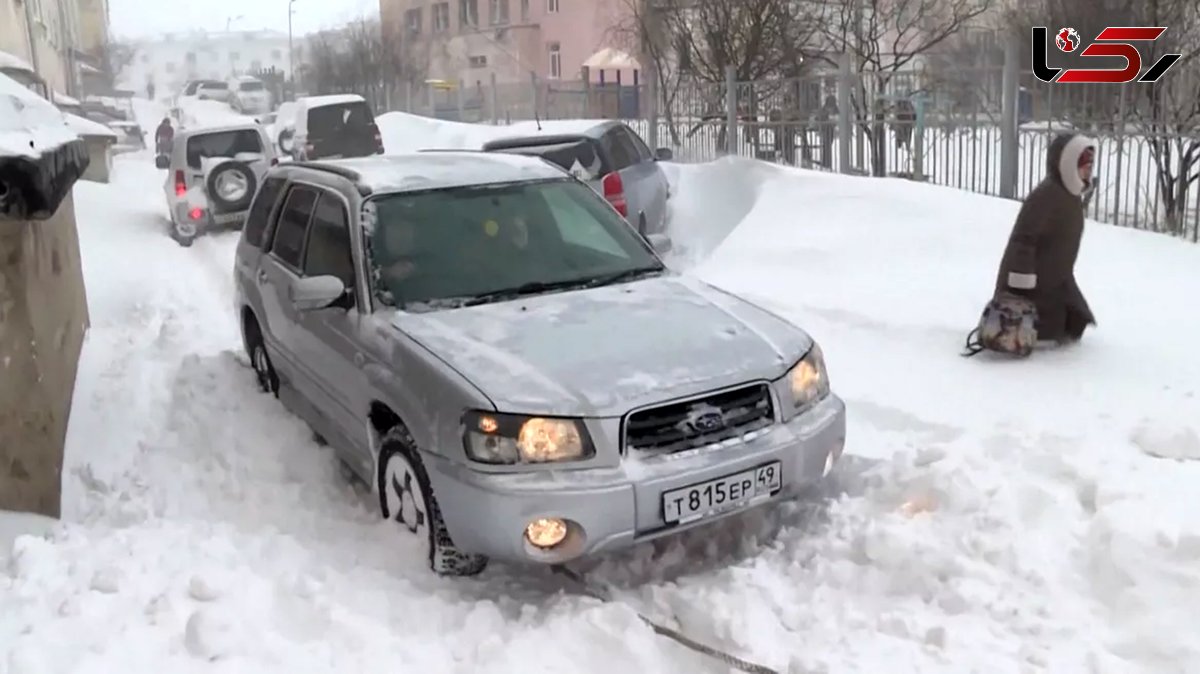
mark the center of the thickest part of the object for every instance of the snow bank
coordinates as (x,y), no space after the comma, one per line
(29,124)
(202,113)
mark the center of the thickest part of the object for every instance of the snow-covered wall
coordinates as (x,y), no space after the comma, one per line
(43,318)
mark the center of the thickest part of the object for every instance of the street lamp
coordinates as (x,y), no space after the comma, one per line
(291,49)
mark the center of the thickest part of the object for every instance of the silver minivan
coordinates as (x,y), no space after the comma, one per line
(611,158)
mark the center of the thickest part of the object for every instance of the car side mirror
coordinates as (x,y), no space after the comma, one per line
(664,154)
(316,292)
(661,243)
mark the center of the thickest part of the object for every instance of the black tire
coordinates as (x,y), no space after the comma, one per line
(444,559)
(260,360)
(241,202)
(184,238)
(283,137)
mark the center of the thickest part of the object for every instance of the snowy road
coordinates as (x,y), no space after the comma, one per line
(1011,516)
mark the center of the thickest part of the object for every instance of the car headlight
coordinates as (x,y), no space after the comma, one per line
(491,437)
(809,380)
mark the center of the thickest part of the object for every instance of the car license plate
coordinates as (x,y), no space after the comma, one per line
(227,218)
(724,493)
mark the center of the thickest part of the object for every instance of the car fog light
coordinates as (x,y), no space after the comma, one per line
(546,532)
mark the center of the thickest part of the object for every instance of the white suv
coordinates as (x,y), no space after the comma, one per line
(248,95)
(212,175)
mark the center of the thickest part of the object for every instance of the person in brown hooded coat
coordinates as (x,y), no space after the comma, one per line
(1039,261)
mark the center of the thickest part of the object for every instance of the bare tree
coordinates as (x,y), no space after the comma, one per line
(359,58)
(885,37)
(693,42)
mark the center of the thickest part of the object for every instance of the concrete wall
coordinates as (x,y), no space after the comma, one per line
(43,319)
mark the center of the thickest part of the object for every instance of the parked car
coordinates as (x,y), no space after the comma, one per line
(334,127)
(609,156)
(212,174)
(446,321)
(249,96)
(130,137)
(205,90)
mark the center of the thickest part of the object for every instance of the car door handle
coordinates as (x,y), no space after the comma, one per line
(262,276)
(359,359)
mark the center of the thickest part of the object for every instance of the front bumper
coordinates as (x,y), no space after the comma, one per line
(613,508)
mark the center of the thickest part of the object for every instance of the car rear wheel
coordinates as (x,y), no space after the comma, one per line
(406,499)
(184,233)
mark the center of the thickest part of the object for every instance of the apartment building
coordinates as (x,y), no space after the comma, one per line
(44,37)
(470,40)
(173,59)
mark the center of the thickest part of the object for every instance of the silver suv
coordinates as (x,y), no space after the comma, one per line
(212,175)
(487,343)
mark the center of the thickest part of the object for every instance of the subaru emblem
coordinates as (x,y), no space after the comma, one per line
(708,422)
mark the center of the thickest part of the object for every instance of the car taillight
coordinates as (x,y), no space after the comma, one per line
(195,213)
(180,184)
(614,192)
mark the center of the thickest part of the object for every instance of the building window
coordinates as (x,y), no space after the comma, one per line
(413,21)
(499,12)
(478,61)
(441,17)
(468,13)
(555,52)
(552,6)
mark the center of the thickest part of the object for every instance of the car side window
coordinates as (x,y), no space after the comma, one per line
(328,250)
(620,149)
(260,210)
(288,244)
(643,150)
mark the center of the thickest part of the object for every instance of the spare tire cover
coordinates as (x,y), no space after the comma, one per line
(230,187)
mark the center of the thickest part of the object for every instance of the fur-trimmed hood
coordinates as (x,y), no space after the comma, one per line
(1062,160)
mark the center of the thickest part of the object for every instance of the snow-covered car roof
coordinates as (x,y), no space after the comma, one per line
(29,124)
(63,99)
(443,169)
(8,60)
(311,102)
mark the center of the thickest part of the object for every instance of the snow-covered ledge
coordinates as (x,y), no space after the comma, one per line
(41,156)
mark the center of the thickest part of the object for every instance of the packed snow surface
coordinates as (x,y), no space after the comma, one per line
(991,516)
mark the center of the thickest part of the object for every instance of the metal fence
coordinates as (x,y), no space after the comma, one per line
(982,128)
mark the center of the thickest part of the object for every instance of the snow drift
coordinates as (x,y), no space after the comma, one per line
(998,516)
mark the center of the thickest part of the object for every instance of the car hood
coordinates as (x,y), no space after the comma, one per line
(603,351)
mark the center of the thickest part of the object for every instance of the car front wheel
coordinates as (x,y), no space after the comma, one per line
(260,360)
(406,500)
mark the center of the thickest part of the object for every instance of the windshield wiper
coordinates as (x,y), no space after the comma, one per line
(531,288)
(539,287)
(622,276)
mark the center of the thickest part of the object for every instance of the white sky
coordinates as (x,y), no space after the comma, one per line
(147,18)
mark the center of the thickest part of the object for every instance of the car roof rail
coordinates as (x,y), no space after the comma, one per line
(340,171)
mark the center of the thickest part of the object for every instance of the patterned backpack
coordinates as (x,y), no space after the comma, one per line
(1007,326)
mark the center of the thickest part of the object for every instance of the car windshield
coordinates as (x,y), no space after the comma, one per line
(222,144)
(461,246)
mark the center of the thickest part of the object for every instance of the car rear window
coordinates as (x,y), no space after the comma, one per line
(580,155)
(215,85)
(340,119)
(222,144)
(250,86)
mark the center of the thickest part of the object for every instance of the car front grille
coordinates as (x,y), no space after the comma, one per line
(700,422)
